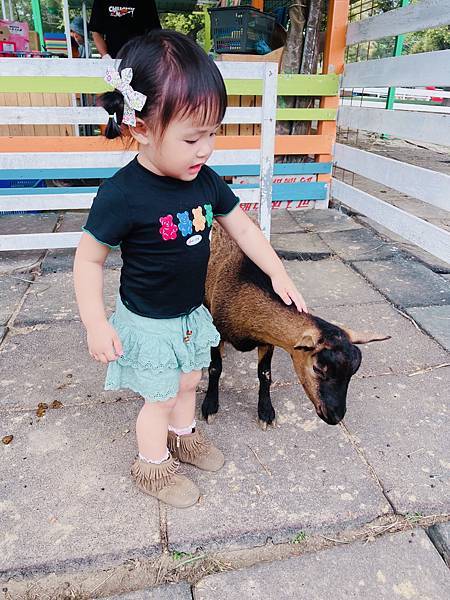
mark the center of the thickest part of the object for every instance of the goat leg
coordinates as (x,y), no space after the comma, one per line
(266,412)
(210,404)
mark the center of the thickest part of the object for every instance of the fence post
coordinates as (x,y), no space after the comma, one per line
(398,49)
(269,107)
(333,62)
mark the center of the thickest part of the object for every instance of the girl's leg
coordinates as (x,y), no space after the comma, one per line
(151,429)
(183,412)
(160,480)
(186,445)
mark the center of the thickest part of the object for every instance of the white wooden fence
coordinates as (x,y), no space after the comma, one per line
(430,68)
(58,200)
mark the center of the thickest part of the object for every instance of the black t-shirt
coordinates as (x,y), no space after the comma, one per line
(163,228)
(121,21)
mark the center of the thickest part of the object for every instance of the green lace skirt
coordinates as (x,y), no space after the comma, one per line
(157,351)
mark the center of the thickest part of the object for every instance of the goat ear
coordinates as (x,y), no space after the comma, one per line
(308,341)
(364,337)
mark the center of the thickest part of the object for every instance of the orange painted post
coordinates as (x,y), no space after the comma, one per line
(259,4)
(333,62)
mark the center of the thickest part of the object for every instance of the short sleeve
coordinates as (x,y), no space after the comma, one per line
(109,218)
(226,201)
(151,17)
(97,20)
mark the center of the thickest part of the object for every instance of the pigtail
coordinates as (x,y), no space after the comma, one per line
(112,102)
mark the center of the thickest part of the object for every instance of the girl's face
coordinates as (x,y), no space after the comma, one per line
(180,153)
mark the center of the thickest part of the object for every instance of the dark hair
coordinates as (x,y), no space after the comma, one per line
(178,78)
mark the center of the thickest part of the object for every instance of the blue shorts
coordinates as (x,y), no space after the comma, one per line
(157,351)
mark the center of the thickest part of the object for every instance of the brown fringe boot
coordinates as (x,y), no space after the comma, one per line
(195,449)
(163,482)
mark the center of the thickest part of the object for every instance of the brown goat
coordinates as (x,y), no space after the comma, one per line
(249,314)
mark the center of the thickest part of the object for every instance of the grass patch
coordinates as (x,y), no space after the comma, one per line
(299,537)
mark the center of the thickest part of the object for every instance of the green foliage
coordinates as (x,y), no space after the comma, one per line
(428,41)
(299,537)
(191,24)
(179,555)
(51,12)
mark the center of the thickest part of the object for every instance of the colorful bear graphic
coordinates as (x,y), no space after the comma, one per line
(168,229)
(199,220)
(209,214)
(184,223)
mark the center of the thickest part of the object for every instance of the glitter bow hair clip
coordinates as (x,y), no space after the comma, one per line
(132,100)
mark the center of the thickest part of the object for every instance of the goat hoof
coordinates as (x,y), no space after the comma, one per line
(273,423)
(262,424)
(211,418)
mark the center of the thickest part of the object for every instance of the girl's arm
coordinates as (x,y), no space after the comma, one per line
(251,240)
(100,44)
(103,341)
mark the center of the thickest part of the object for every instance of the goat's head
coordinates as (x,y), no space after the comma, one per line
(325,358)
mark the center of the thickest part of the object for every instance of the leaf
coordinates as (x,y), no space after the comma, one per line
(56,404)
(41,409)
(7,439)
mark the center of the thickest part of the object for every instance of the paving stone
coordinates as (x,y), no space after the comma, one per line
(175,591)
(403,427)
(407,351)
(404,565)
(12,290)
(3,331)
(320,221)
(432,262)
(61,259)
(440,536)
(330,283)
(21,261)
(435,320)
(52,298)
(360,244)
(292,245)
(312,480)
(406,282)
(283,221)
(44,362)
(70,500)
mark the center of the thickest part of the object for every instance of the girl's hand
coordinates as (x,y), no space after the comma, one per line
(285,288)
(104,343)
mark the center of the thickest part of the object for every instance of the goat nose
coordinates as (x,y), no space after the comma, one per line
(330,415)
(335,415)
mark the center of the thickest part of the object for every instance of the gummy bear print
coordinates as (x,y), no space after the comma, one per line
(209,214)
(184,223)
(168,229)
(199,220)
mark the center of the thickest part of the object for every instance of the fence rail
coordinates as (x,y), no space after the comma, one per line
(428,68)
(415,17)
(433,128)
(426,235)
(426,185)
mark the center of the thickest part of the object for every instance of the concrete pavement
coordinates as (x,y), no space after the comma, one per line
(70,513)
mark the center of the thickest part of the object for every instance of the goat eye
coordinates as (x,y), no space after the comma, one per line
(319,372)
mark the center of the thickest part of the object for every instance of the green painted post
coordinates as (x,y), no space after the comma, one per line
(37,20)
(398,49)
(208,42)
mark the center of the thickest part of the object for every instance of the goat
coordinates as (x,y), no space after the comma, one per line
(249,314)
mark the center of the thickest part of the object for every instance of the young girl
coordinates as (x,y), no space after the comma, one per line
(159,209)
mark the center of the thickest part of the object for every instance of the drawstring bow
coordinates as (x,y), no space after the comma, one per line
(132,100)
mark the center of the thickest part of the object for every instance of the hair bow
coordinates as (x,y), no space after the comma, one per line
(132,100)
